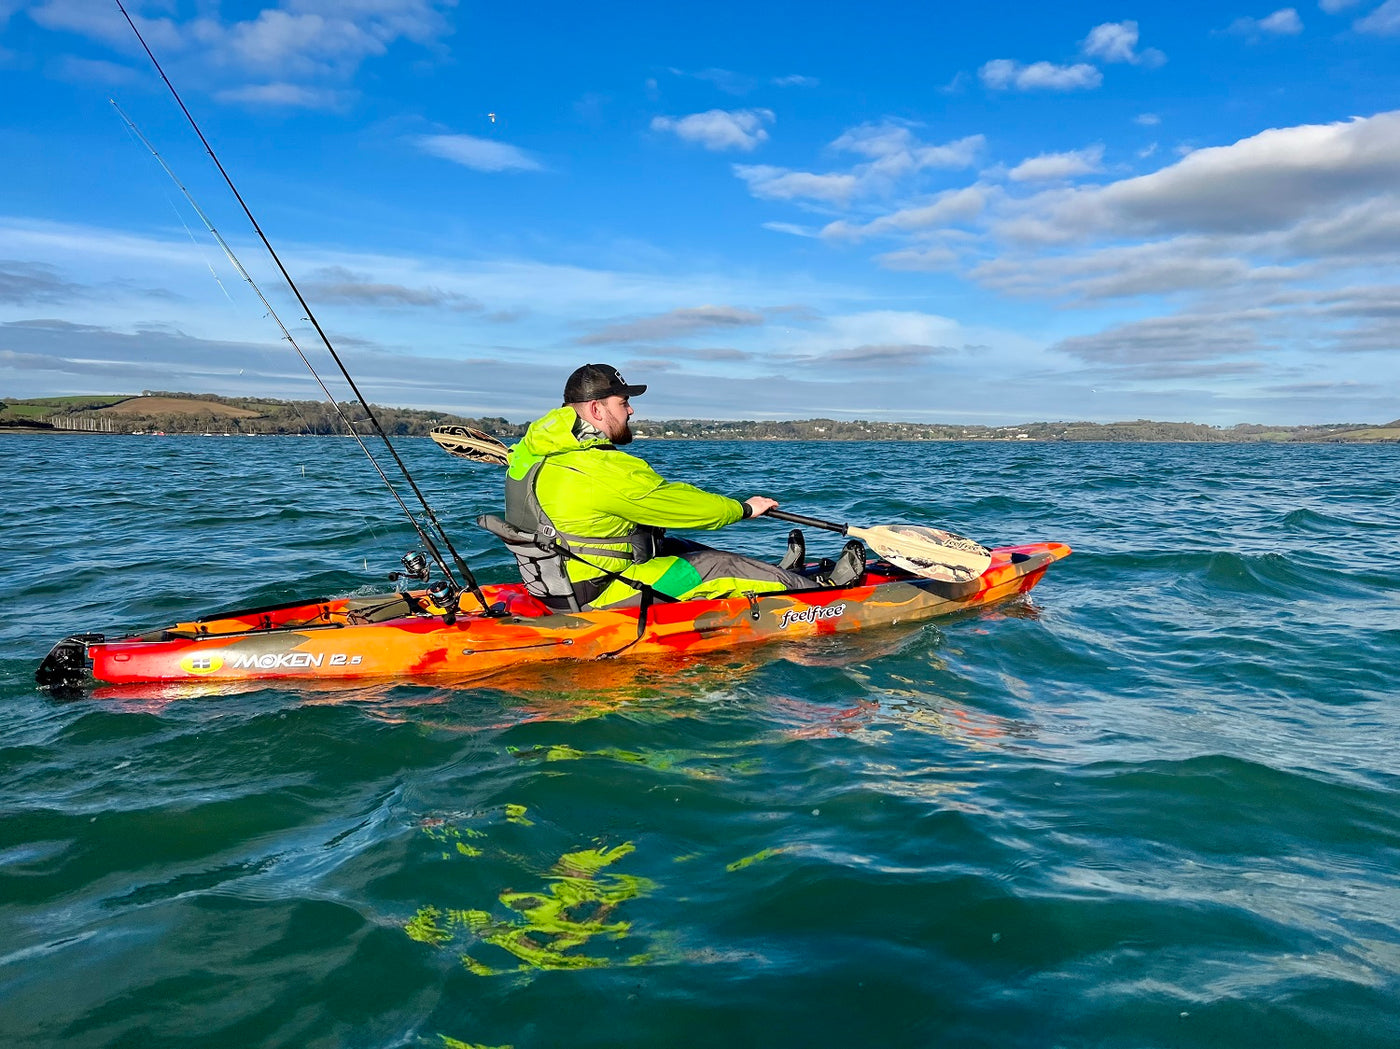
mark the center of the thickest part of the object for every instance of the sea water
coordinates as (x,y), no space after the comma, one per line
(1152,804)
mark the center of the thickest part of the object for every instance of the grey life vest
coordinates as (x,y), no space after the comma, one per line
(542,551)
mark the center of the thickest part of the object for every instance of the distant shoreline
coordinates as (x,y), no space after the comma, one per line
(1368,442)
(199,414)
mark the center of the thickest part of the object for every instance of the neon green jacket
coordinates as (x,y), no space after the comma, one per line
(594,491)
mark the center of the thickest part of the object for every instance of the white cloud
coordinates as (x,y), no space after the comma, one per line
(795,80)
(344,31)
(772,183)
(894,149)
(1334,6)
(1175,339)
(999,73)
(673,324)
(88,70)
(719,129)
(1383,21)
(1241,339)
(1161,268)
(279,39)
(956,85)
(28,283)
(339,284)
(886,356)
(893,154)
(1117,42)
(1283,22)
(790,228)
(1147,119)
(1260,183)
(883,328)
(1368,228)
(286,96)
(921,260)
(299,40)
(951,206)
(1002,74)
(479,154)
(1112,42)
(728,81)
(104,22)
(1048,166)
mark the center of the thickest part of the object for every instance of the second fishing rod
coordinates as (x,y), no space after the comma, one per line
(467,576)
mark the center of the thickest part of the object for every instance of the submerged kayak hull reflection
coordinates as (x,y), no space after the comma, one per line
(398,636)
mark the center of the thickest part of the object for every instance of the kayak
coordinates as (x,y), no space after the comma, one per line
(405,636)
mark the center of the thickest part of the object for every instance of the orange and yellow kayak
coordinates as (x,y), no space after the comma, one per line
(405,636)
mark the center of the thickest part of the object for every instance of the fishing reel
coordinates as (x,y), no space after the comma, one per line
(415,565)
(442,595)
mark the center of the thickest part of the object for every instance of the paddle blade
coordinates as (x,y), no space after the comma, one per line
(467,442)
(928,552)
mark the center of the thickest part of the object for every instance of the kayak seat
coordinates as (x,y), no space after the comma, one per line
(539,560)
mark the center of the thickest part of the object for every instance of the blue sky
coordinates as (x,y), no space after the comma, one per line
(892,211)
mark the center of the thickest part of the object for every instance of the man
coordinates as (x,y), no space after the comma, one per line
(569,482)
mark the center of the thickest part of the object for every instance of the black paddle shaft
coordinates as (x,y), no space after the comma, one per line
(810,522)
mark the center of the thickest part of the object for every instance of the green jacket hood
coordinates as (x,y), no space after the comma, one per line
(550,433)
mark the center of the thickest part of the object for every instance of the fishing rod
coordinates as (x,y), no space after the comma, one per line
(433,551)
(272,312)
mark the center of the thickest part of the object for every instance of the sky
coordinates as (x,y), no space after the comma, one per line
(983,214)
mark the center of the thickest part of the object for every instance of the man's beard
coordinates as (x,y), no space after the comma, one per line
(625,437)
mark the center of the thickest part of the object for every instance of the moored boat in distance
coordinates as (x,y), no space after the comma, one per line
(406,636)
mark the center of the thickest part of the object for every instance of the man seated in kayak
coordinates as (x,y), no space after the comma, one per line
(569,481)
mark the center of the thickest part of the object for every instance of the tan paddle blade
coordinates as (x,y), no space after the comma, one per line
(467,442)
(928,552)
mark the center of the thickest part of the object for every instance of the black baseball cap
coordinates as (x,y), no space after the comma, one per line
(594,382)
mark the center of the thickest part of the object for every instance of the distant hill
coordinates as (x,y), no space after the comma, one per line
(155,405)
(1388,433)
(207,413)
(161,412)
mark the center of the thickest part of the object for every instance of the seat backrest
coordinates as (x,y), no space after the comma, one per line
(540,562)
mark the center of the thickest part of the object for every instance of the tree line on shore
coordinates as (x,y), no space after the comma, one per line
(209,413)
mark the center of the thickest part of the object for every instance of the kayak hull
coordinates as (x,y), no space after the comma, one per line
(403,636)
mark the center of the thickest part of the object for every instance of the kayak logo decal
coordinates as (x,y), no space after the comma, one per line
(811,615)
(293,661)
(202,664)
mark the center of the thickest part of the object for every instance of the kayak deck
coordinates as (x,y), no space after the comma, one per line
(404,636)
